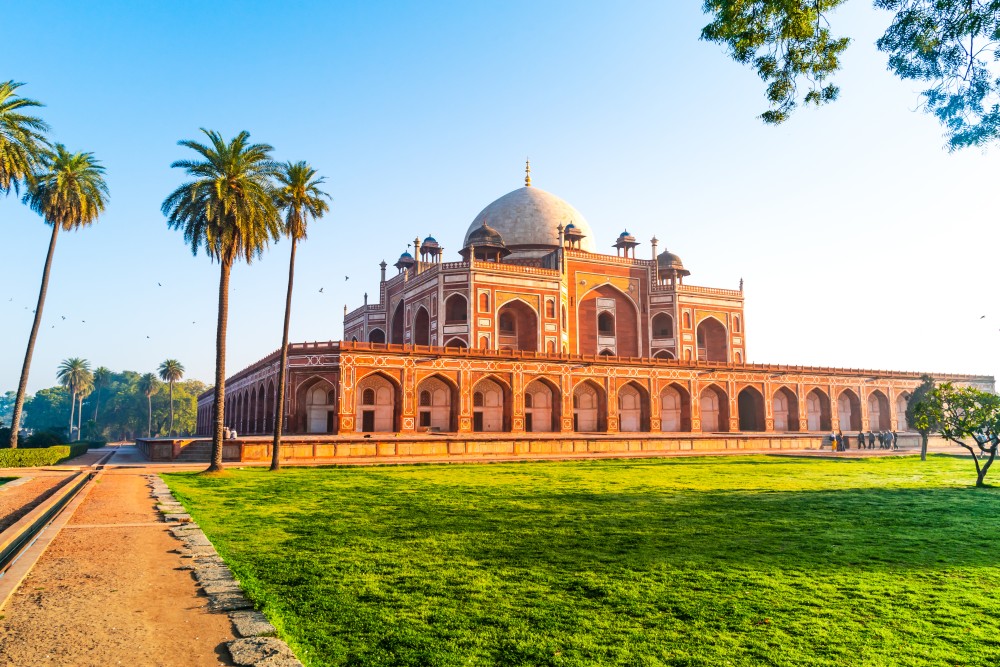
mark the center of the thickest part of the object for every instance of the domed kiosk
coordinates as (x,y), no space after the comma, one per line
(528,219)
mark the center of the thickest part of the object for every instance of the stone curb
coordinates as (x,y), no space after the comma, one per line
(258,646)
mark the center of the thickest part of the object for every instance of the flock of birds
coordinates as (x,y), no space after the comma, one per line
(158,284)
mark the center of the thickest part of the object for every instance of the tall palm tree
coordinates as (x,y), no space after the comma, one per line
(229,208)
(102,377)
(299,196)
(73,374)
(171,371)
(149,385)
(22,140)
(85,390)
(69,193)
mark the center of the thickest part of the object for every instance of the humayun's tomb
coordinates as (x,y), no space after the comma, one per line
(536,342)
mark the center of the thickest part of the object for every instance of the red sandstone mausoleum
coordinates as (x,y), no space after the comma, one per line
(533,331)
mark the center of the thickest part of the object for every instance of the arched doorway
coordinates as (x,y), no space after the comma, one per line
(633,408)
(663,326)
(712,340)
(608,318)
(421,327)
(376,336)
(879,418)
(320,408)
(541,409)
(456,342)
(901,402)
(269,408)
(818,411)
(589,408)
(849,410)
(517,327)
(377,398)
(786,410)
(436,405)
(675,409)
(488,406)
(396,328)
(750,404)
(714,406)
(664,354)
(456,309)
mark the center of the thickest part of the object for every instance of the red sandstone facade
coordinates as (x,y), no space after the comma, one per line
(534,332)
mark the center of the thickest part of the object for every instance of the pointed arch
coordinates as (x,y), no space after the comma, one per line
(456,342)
(902,400)
(269,408)
(517,326)
(397,325)
(379,399)
(421,329)
(675,409)
(712,340)
(611,302)
(491,403)
(590,407)
(879,417)
(750,403)
(456,309)
(437,403)
(818,411)
(785,408)
(314,411)
(542,406)
(376,335)
(633,408)
(713,404)
(664,354)
(849,410)
(663,325)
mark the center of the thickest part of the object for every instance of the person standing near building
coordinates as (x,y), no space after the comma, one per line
(844,444)
(895,440)
(861,439)
(871,440)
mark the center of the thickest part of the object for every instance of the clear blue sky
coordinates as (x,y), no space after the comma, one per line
(863,243)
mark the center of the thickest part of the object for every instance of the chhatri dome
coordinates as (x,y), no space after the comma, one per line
(527,219)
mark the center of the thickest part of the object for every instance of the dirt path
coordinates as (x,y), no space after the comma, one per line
(18,500)
(109,592)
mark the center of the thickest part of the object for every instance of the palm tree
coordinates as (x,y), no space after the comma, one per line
(228,207)
(171,371)
(73,374)
(69,193)
(83,392)
(299,196)
(23,145)
(102,377)
(149,385)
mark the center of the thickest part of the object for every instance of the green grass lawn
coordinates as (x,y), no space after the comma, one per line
(707,561)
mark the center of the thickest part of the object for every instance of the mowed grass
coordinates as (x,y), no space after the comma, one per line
(708,561)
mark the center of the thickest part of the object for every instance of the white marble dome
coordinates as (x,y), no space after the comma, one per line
(527,219)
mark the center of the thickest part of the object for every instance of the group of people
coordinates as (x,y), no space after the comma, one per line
(885,439)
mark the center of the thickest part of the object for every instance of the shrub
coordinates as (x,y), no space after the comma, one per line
(30,457)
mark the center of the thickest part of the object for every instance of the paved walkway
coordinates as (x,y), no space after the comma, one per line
(110,588)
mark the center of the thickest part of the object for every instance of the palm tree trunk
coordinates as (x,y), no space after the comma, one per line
(72,408)
(79,420)
(220,366)
(279,405)
(171,431)
(22,386)
(149,418)
(97,401)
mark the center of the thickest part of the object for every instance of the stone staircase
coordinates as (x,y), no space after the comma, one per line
(196,452)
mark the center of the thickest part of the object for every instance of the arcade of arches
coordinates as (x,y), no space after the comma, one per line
(343,388)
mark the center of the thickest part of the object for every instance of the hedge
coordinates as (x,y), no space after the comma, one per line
(28,458)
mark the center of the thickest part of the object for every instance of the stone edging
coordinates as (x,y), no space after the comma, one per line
(257,646)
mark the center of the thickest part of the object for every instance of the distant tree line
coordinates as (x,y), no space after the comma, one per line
(121,406)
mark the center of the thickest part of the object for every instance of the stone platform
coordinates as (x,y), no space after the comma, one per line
(470,447)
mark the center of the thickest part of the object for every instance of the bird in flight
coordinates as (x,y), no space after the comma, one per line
(347,277)
(63,316)
(159,284)
(147,336)
(320,290)
(982,317)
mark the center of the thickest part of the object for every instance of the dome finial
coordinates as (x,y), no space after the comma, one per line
(527,173)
